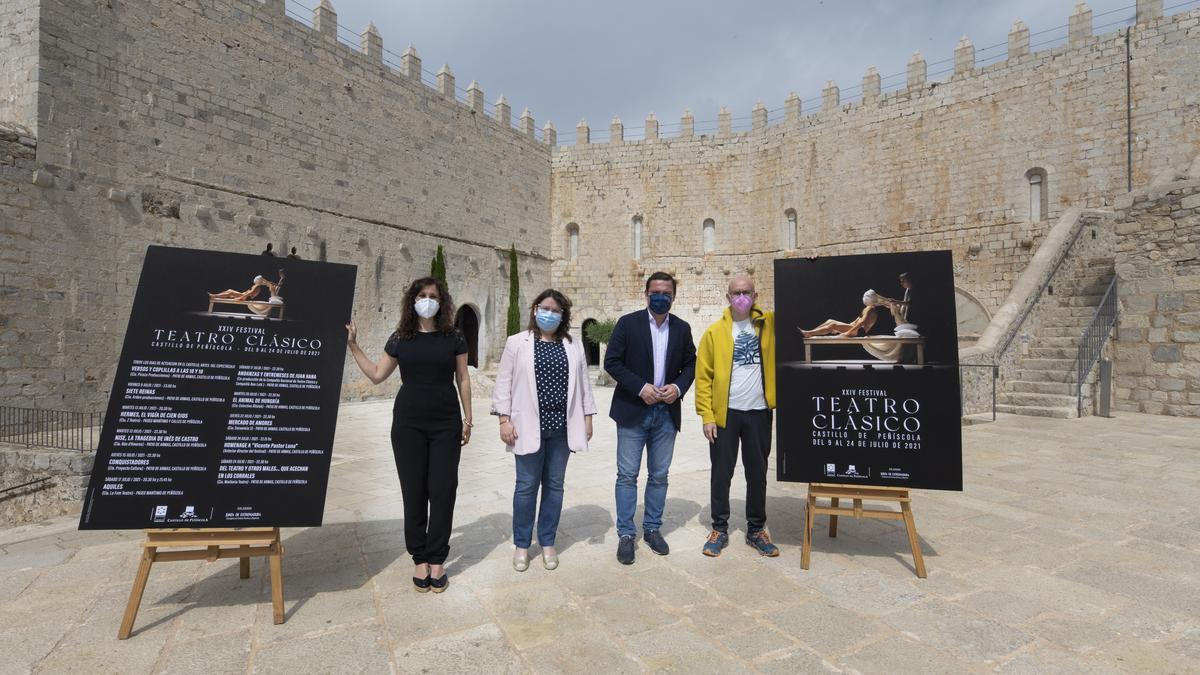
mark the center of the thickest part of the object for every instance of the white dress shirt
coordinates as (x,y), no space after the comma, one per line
(659,334)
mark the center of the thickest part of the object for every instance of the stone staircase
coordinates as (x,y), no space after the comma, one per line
(1045,381)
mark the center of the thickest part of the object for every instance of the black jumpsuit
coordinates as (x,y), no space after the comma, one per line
(427,439)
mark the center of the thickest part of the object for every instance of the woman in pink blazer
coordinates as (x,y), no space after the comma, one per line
(544,401)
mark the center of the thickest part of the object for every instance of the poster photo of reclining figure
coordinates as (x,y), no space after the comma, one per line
(867,370)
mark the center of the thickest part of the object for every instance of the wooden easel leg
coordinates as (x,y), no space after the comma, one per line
(277,580)
(244,564)
(806,547)
(135,593)
(833,501)
(911,525)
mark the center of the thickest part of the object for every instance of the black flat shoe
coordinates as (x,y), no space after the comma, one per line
(422,584)
(440,585)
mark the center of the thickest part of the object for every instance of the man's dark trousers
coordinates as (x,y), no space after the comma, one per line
(752,430)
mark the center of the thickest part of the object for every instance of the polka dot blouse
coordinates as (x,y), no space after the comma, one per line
(550,370)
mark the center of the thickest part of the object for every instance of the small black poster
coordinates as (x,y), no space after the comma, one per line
(225,399)
(867,371)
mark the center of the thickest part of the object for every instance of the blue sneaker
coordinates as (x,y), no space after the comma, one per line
(716,542)
(761,541)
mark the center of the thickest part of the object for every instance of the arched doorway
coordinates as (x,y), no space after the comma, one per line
(591,348)
(467,321)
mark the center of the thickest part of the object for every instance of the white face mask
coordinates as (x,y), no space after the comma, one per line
(426,308)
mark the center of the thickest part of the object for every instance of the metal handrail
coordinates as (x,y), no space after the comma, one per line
(1094,337)
(25,485)
(38,427)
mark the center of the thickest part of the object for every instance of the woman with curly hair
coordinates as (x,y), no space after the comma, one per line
(430,422)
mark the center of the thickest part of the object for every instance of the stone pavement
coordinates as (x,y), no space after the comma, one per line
(1074,548)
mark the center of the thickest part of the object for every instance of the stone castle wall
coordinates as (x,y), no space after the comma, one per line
(934,165)
(18,77)
(1156,357)
(54,481)
(226,124)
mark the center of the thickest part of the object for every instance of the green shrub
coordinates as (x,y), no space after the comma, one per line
(601,331)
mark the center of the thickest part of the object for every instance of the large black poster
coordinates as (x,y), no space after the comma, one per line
(225,399)
(867,371)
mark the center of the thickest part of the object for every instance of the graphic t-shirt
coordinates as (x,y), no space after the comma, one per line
(746,382)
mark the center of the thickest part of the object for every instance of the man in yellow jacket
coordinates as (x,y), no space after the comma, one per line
(735,394)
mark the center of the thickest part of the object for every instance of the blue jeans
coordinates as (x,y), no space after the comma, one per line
(656,434)
(547,469)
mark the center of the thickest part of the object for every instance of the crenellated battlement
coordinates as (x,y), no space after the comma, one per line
(368,50)
(967,70)
(229,124)
(976,153)
(234,124)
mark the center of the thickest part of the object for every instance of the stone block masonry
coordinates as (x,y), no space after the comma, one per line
(226,124)
(67,471)
(19,76)
(937,164)
(1157,353)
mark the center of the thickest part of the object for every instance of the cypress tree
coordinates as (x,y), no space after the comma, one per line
(437,268)
(514,293)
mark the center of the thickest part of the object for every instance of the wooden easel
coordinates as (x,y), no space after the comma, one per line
(859,493)
(250,542)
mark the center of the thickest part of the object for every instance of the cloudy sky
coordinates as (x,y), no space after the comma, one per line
(571,60)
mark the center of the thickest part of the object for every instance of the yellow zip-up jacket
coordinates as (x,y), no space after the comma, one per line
(714,364)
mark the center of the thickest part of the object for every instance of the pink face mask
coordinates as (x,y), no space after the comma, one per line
(741,303)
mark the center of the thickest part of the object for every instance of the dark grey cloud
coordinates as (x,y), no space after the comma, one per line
(570,60)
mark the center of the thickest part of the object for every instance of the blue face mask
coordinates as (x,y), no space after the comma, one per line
(660,303)
(547,320)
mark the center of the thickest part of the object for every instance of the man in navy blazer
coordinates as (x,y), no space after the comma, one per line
(652,357)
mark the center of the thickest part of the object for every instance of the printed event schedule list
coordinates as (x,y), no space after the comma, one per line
(264,437)
(174,412)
